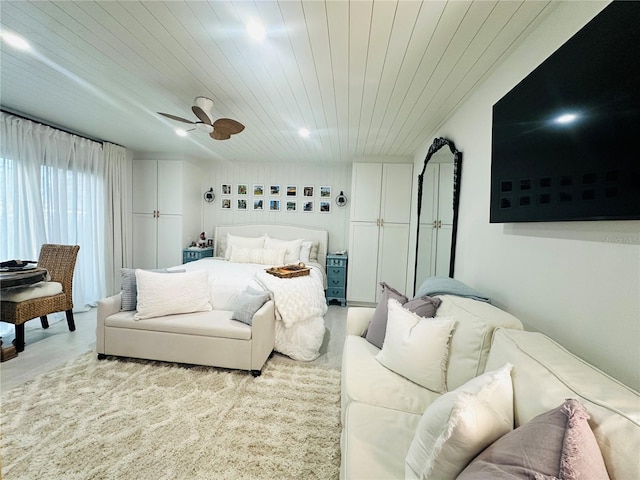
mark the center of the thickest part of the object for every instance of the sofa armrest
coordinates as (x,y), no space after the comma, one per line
(358,319)
(263,334)
(106,307)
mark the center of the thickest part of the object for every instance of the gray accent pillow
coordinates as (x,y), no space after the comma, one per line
(248,304)
(556,444)
(378,326)
(129,286)
(423,306)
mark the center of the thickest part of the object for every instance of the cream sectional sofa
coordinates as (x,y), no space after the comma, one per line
(381,410)
(201,338)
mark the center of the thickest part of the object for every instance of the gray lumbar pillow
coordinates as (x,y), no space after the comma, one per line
(248,304)
(424,306)
(129,298)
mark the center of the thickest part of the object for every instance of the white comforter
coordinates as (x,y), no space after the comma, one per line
(300,302)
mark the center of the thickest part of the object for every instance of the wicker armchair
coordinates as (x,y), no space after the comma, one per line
(60,262)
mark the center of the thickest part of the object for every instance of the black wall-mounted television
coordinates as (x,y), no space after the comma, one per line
(566,139)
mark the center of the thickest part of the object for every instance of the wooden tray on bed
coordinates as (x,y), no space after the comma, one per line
(289,271)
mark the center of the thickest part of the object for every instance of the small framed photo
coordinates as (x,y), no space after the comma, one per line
(292,190)
(209,242)
(258,190)
(226,204)
(325,192)
(242,189)
(274,190)
(292,205)
(325,207)
(242,204)
(307,191)
(226,189)
(274,205)
(258,204)
(307,206)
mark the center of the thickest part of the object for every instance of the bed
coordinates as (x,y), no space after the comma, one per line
(300,302)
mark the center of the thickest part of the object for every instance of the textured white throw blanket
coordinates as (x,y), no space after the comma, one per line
(300,308)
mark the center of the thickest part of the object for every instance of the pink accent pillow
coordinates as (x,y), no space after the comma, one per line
(555,444)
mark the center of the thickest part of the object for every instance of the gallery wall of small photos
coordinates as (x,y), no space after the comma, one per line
(285,194)
(260,197)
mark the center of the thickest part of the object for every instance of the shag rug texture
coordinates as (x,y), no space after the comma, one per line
(135,419)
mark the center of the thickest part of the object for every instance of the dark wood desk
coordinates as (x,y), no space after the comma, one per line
(26,277)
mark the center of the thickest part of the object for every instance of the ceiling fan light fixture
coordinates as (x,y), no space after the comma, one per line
(180,132)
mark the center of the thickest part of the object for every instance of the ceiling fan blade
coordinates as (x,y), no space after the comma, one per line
(173,117)
(228,125)
(201,114)
(218,135)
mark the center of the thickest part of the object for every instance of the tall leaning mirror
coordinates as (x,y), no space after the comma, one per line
(438,199)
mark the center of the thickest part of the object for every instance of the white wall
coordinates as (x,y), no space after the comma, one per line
(335,175)
(578,282)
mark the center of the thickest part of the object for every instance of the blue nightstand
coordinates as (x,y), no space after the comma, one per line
(192,254)
(337,278)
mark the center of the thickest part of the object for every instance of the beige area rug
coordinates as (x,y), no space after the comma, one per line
(132,419)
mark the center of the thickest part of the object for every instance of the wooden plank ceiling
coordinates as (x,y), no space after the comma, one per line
(366,78)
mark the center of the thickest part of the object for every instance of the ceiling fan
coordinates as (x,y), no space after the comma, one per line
(221,129)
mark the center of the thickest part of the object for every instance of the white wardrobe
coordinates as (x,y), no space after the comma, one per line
(379,229)
(167,211)
(436,222)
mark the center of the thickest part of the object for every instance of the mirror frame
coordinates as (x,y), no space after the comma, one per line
(439,143)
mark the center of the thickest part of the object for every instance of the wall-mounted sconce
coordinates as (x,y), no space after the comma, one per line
(341,200)
(209,196)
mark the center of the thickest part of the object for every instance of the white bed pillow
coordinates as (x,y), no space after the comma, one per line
(293,248)
(262,256)
(460,424)
(160,294)
(417,348)
(244,242)
(309,251)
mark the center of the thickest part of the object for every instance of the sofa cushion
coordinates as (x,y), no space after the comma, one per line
(541,365)
(365,380)
(216,323)
(424,306)
(416,347)
(375,441)
(471,340)
(160,294)
(378,326)
(460,424)
(555,444)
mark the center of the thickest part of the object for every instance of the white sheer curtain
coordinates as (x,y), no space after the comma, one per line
(52,191)
(118,232)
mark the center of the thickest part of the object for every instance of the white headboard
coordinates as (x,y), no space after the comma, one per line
(282,232)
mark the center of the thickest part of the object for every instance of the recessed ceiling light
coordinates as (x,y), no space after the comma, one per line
(303,132)
(15,41)
(181,132)
(256,30)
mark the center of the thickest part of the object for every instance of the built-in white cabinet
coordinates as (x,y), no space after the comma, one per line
(379,229)
(167,211)
(436,222)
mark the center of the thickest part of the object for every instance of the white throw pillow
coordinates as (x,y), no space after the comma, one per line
(243,242)
(262,256)
(417,348)
(160,294)
(293,248)
(460,424)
